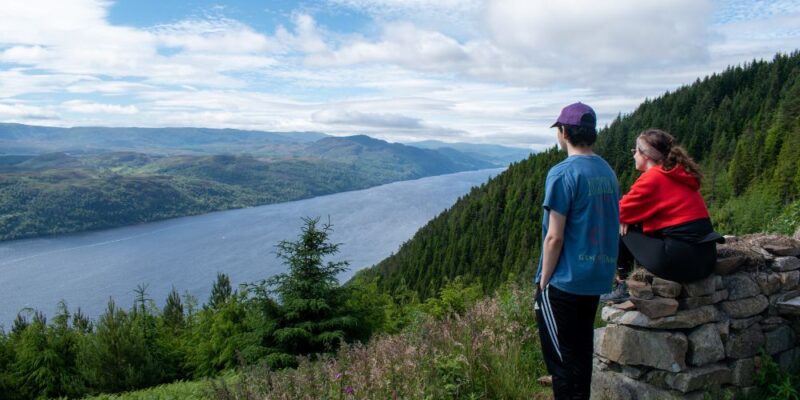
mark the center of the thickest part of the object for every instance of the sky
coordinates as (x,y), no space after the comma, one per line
(479,71)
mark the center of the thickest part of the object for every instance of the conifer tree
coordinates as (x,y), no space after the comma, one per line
(19,325)
(173,310)
(81,323)
(8,384)
(171,342)
(46,358)
(118,357)
(312,317)
(221,291)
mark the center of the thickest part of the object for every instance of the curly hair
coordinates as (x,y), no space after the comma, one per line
(672,154)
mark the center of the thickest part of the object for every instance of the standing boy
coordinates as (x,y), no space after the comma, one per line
(580,227)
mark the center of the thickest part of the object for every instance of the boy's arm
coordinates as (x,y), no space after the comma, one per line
(553,243)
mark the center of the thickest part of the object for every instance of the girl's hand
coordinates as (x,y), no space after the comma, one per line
(623,229)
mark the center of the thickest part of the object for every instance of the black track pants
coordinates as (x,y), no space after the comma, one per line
(566,332)
(666,257)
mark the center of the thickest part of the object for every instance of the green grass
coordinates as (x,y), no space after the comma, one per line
(197,390)
(490,351)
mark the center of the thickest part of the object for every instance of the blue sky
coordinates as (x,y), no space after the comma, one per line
(484,71)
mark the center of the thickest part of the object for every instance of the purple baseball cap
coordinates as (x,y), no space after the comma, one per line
(577,114)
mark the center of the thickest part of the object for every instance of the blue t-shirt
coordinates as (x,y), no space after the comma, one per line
(583,188)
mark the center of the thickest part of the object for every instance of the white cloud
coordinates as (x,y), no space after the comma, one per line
(213,36)
(22,54)
(23,112)
(478,70)
(402,44)
(450,17)
(356,118)
(306,38)
(108,87)
(80,106)
(619,32)
(16,82)
(74,37)
(584,41)
(574,42)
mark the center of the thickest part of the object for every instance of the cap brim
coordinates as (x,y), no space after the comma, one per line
(555,124)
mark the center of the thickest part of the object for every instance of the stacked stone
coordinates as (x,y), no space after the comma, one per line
(679,341)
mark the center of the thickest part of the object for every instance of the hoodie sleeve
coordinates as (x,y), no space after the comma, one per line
(639,203)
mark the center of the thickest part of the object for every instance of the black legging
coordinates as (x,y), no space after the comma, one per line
(665,256)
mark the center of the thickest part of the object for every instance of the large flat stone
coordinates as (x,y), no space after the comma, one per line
(656,307)
(729,265)
(740,286)
(703,287)
(610,385)
(631,371)
(630,346)
(789,307)
(789,359)
(790,251)
(724,329)
(705,345)
(783,264)
(624,306)
(789,280)
(744,308)
(769,283)
(745,343)
(782,297)
(744,323)
(795,323)
(719,296)
(779,339)
(611,313)
(687,303)
(767,256)
(684,319)
(641,290)
(772,323)
(743,372)
(665,288)
(692,379)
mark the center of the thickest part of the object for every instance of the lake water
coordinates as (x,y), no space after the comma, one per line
(86,269)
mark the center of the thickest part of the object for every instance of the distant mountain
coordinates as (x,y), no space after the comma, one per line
(29,139)
(409,160)
(58,192)
(495,154)
(741,125)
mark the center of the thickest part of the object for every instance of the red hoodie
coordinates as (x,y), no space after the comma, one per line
(660,199)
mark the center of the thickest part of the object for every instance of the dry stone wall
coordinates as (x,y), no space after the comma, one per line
(678,341)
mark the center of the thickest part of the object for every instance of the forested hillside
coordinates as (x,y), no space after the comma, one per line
(58,193)
(31,139)
(743,125)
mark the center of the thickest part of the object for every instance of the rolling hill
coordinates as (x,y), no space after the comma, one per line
(55,193)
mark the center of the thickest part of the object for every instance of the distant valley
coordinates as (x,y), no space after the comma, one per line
(61,180)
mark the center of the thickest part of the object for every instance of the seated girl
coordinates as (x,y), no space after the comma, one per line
(664,222)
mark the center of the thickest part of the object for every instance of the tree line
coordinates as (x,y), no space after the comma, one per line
(268,323)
